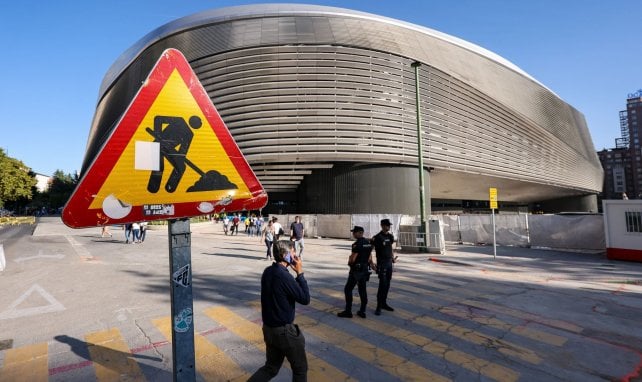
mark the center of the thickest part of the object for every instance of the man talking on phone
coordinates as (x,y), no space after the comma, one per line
(279,292)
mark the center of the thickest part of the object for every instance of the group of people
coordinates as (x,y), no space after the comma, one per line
(273,231)
(252,225)
(135,232)
(280,291)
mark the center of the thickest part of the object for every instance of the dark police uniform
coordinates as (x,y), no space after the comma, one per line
(382,243)
(358,274)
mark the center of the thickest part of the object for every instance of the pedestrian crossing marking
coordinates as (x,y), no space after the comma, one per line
(538,335)
(211,361)
(467,334)
(111,357)
(318,369)
(477,365)
(27,363)
(477,292)
(524,315)
(381,358)
(534,334)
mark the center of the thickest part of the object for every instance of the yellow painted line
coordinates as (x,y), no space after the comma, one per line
(534,334)
(318,369)
(27,363)
(111,357)
(434,284)
(525,315)
(467,334)
(467,361)
(378,357)
(465,300)
(474,337)
(211,362)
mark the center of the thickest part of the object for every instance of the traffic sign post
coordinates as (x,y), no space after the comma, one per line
(180,270)
(169,157)
(493,205)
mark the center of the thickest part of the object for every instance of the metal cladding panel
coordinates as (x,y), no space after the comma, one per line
(363,188)
(327,87)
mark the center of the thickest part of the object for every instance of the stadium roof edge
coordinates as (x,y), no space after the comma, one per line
(266,10)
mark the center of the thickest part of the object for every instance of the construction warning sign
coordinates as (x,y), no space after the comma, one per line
(169,156)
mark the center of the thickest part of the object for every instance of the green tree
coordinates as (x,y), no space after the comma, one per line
(60,189)
(16,179)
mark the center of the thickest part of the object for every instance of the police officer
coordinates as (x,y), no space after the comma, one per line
(382,243)
(360,259)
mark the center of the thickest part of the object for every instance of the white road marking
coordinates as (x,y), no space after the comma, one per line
(79,248)
(3,261)
(40,255)
(14,312)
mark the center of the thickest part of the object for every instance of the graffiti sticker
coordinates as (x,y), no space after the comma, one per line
(182,276)
(183,320)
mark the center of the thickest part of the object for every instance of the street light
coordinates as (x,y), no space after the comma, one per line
(420,160)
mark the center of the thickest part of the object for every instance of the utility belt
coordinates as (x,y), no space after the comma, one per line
(359,267)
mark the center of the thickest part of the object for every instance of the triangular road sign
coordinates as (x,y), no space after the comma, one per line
(169,156)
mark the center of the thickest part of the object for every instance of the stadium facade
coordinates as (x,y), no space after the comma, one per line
(321,101)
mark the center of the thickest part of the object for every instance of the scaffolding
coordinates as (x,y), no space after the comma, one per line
(623,142)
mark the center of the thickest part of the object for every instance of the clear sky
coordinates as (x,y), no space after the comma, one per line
(56,53)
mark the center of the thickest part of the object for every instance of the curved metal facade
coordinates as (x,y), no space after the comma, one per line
(303,88)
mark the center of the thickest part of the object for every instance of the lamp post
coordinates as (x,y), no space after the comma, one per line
(420,160)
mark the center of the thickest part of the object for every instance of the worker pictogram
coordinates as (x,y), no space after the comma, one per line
(174,140)
(169,156)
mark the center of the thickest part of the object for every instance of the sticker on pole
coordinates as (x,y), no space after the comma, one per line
(169,156)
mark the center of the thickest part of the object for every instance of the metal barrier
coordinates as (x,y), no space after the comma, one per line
(415,241)
(412,239)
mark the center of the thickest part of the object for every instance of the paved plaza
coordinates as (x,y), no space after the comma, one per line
(78,307)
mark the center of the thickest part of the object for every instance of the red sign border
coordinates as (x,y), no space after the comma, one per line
(77,214)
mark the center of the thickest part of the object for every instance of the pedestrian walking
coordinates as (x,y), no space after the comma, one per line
(235,224)
(382,243)
(128,232)
(105,231)
(143,231)
(268,238)
(226,224)
(259,226)
(136,229)
(278,229)
(279,293)
(297,232)
(360,262)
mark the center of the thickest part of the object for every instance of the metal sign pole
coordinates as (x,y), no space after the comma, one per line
(180,271)
(494,238)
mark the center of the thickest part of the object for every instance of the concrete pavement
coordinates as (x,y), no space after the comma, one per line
(80,307)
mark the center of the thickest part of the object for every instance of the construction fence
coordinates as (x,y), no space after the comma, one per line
(578,232)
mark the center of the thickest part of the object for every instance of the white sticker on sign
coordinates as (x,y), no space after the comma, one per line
(147,156)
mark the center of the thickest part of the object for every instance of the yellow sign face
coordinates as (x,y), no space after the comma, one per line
(132,173)
(493,198)
(169,156)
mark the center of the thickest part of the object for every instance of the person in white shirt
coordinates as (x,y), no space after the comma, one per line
(278,230)
(136,229)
